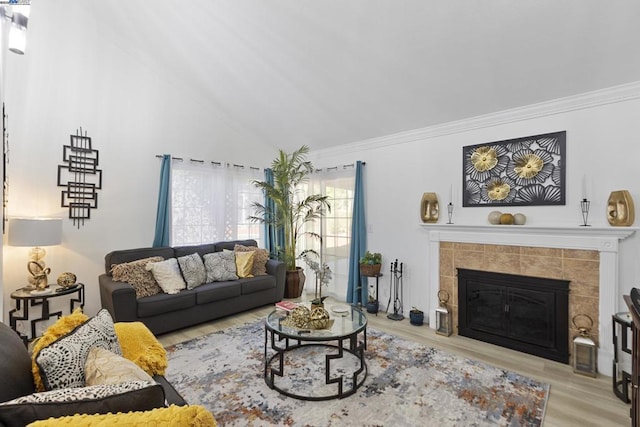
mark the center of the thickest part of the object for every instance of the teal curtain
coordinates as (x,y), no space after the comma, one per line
(274,236)
(357,285)
(163,213)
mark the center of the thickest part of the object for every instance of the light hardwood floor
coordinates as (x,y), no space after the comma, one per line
(574,400)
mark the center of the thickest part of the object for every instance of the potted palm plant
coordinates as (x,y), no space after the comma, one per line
(291,209)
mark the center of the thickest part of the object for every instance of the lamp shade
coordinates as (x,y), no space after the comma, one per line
(35,231)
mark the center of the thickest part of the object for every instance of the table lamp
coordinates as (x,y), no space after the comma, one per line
(36,232)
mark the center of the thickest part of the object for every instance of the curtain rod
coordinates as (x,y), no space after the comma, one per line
(180,159)
(335,168)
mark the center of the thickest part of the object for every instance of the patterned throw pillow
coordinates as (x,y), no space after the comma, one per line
(244,264)
(220,266)
(136,275)
(193,270)
(80,393)
(167,274)
(105,367)
(259,260)
(62,362)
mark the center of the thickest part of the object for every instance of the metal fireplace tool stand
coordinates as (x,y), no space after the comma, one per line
(395,290)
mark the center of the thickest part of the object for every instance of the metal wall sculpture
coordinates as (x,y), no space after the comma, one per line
(81,178)
(5,163)
(526,171)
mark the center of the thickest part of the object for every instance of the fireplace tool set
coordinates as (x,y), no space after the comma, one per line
(395,291)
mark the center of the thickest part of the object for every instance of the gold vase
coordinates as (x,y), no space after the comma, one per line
(620,209)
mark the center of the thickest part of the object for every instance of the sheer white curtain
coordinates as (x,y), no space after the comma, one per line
(211,202)
(335,227)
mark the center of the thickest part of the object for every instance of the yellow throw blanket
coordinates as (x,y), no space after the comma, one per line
(140,346)
(194,415)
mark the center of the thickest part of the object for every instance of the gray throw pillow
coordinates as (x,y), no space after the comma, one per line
(220,266)
(193,270)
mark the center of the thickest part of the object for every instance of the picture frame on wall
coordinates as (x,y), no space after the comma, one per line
(527,171)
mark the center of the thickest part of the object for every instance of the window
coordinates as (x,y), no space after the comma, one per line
(211,203)
(335,228)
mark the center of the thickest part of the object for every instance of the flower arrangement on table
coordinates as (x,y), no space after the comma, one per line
(323,277)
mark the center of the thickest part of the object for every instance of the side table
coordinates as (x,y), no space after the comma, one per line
(25,299)
(374,307)
(621,355)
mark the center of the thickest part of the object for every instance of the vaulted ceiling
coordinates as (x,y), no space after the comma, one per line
(330,72)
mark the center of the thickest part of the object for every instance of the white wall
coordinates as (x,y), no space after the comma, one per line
(73,76)
(602,145)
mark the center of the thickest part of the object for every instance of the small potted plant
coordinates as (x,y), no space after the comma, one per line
(370,264)
(372,304)
(416,316)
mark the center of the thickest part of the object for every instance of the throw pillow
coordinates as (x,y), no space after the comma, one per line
(167,274)
(220,266)
(139,345)
(193,270)
(259,261)
(187,416)
(62,362)
(105,367)
(136,275)
(244,264)
(62,327)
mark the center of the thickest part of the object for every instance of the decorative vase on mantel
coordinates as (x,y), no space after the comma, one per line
(294,283)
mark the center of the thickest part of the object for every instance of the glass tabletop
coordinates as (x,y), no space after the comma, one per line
(347,320)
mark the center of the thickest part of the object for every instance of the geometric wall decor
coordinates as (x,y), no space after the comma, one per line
(528,171)
(80,177)
(5,164)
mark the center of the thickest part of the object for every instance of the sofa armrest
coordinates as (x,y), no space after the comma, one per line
(277,268)
(81,400)
(118,298)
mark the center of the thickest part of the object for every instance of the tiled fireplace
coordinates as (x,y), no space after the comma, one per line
(586,257)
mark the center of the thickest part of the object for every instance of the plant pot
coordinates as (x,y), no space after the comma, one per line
(372,306)
(416,317)
(294,283)
(370,270)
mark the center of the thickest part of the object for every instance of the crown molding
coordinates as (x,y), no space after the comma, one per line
(611,95)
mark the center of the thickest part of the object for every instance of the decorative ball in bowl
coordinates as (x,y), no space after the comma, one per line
(66,280)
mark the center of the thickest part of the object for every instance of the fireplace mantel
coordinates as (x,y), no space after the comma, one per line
(605,240)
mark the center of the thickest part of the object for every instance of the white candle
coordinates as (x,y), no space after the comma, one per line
(584,186)
(450,193)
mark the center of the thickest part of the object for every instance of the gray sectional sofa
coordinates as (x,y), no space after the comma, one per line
(163,313)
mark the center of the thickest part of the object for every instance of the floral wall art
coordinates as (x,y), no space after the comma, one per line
(527,171)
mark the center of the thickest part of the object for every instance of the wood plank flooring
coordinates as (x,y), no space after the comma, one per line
(574,400)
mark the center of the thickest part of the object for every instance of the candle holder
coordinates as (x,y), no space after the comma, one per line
(584,208)
(450,212)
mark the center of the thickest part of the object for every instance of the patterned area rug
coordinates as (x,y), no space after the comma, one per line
(407,384)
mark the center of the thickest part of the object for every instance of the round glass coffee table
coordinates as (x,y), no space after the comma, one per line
(316,364)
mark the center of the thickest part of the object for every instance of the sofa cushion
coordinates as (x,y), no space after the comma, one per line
(62,362)
(105,367)
(134,396)
(201,250)
(164,303)
(220,266)
(16,365)
(167,274)
(136,274)
(261,256)
(257,284)
(193,270)
(218,291)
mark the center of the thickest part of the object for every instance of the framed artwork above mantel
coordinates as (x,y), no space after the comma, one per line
(527,171)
